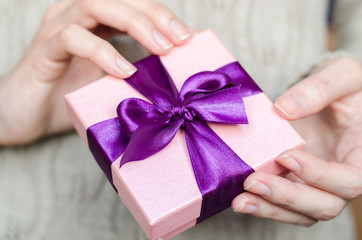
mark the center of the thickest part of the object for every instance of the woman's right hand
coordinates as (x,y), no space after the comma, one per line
(69,51)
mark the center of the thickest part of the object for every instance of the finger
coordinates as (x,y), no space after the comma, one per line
(77,41)
(56,9)
(259,207)
(163,18)
(49,22)
(118,15)
(298,197)
(344,180)
(336,80)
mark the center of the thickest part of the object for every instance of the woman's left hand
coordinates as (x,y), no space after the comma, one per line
(324,177)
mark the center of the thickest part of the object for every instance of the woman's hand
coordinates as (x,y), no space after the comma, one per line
(69,51)
(329,173)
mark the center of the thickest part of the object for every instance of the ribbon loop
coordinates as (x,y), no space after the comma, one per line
(223,106)
(203,83)
(153,81)
(133,113)
(150,139)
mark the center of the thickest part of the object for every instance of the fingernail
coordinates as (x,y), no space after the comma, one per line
(290,104)
(161,40)
(289,162)
(247,208)
(259,188)
(180,30)
(125,67)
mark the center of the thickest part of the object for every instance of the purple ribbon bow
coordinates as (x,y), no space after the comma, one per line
(143,129)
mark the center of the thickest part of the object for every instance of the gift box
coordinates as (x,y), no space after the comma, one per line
(178,138)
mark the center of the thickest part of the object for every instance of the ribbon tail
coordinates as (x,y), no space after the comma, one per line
(219,171)
(241,78)
(107,141)
(150,139)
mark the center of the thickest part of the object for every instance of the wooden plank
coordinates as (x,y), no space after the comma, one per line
(357,212)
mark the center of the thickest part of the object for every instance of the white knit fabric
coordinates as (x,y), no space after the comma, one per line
(53,189)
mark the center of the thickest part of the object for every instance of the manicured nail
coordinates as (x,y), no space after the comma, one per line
(289,162)
(246,208)
(180,30)
(162,40)
(125,67)
(290,104)
(259,188)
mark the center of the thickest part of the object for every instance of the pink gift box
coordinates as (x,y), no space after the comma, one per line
(161,192)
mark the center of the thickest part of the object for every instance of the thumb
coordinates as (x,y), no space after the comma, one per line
(336,79)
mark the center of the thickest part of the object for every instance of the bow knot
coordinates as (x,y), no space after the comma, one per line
(183,112)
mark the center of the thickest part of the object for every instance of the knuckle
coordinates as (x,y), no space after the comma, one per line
(332,210)
(43,64)
(273,214)
(51,11)
(318,179)
(288,201)
(155,9)
(86,3)
(89,5)
(353,192)
(68,33)
(352,66)
(99,48)
(349,61)
(158,10)
(134,18)
(48,14)
(325,86)
(134,21)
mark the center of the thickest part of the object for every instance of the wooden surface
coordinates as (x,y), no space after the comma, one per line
(357,212)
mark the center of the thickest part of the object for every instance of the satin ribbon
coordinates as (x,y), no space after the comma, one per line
(143,129)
